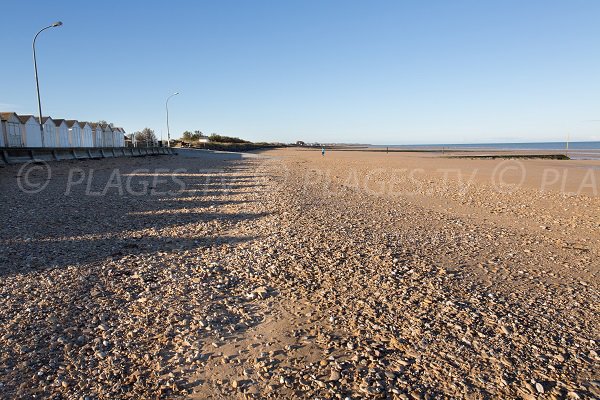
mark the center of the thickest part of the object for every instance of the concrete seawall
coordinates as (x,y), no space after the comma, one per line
(27,154)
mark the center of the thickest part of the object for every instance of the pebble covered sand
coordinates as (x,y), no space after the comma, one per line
(286,277)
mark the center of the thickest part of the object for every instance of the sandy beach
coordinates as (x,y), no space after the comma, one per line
(295,275)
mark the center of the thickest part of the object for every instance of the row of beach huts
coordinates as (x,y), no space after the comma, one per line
(24,131)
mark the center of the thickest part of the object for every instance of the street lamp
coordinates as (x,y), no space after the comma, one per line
(167,108)
(37,83)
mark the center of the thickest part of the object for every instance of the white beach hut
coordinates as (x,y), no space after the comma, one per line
(97,134)
(11,126)
(75,135)
(2,136)
(115,136)
(107,136)
(13,130)
(50,132)
(87,134)
(119,137)
(62,133)
(29,132)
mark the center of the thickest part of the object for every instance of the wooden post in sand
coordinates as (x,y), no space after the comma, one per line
(567,148)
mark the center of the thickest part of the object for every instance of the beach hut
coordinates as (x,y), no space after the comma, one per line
(96,134)
(29,133)
(87,134)
(2,138)
(62,133)
(13,131)
(116,133)
(74,133)
(50,132)
(107,136)
(119,137)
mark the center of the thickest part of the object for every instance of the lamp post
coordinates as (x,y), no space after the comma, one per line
(167,108)
(37,83)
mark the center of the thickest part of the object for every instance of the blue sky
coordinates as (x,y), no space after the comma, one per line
(383,72)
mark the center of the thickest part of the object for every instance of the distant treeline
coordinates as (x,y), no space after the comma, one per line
(247,146)
(225,139)
(213,137)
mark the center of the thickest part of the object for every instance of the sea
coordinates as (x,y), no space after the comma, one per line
(575,150)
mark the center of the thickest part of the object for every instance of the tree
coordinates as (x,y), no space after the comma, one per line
(197,135)
(225,139)
(145,136)
(103,122)
(192,137)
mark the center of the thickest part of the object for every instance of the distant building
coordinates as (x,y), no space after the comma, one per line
(128,141)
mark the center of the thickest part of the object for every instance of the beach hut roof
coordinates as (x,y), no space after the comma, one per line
(4,116)
(25,118)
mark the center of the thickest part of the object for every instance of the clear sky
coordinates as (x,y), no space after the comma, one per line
(383,72)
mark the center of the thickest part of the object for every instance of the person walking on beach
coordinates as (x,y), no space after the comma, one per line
(323,151)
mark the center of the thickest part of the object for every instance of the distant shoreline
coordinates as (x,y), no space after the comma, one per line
(587,145)
(556,150)
(460,153)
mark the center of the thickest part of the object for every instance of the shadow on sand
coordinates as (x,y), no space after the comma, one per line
(108,216)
